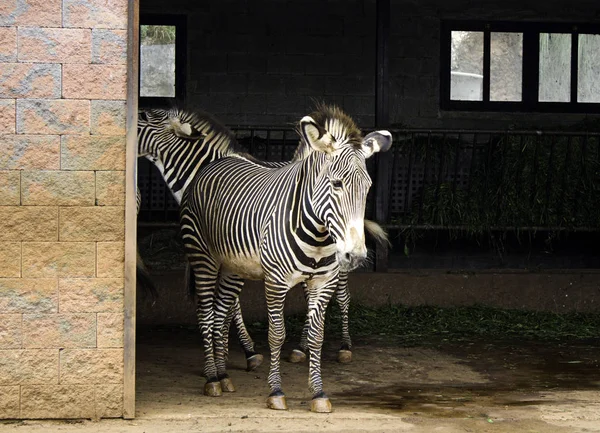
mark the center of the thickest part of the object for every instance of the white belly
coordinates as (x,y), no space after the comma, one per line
(245,267)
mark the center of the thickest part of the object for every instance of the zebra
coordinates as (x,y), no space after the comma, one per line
(169,138)
(301,222)
(179,143)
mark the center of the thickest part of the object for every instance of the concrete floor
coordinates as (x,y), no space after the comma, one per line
(437,386)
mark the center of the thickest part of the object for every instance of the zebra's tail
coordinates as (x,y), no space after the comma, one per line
(377,232)
(188,280)
(144,279)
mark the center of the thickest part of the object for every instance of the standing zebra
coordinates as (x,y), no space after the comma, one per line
(302,222)
(179,143)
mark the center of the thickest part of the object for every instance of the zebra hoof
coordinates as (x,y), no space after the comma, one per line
(227,385)
(213,389)
(297,356)
(320,405)
(254,362)
(277,402)
(344,356)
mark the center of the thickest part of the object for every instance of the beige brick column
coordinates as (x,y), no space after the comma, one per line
(62,207)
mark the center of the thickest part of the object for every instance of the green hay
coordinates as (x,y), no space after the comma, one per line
(515,182)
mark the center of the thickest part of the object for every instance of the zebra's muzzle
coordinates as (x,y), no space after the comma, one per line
(349,262)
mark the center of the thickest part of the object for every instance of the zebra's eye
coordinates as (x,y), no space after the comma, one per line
(337,183)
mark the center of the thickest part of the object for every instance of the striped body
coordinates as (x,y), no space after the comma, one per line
(299,223)
(180,143)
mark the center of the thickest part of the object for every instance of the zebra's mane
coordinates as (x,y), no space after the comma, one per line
(333,120)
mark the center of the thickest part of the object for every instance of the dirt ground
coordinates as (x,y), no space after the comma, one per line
(437,386)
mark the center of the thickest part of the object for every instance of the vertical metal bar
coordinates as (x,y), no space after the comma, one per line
(549,178)
(424,186)
(165,210)
(456,158)
(129,299)
(583,176)
(534,177)
(486,182)
(473,158)
(150,169)
(519,164)
(564,179)
(408,177)
(504,157)
(531,60)
(486,64)
(574,65)
(382,120)
(440,174)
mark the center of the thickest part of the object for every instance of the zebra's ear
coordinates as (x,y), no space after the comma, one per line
(183,130)
(318,138)
(377,141)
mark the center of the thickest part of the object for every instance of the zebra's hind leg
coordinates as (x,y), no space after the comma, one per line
(205,281)
(206,272)
(299,354)
(342,295)
(226,297)
(253,359)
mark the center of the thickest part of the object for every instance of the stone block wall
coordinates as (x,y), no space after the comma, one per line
(62,197)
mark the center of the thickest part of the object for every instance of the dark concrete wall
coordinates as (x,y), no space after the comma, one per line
(560,292)
(265,61)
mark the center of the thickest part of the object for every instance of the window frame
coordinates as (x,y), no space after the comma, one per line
(179,21)
(530,65)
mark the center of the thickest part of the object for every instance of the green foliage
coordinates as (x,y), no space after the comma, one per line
(514,182)
(157,35)
(412,324)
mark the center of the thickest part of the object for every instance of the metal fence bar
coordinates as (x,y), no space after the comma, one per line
(489,173)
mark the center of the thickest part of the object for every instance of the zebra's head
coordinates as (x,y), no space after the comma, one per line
(342,183)
(156,126)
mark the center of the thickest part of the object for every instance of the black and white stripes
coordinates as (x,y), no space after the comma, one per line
(301,222)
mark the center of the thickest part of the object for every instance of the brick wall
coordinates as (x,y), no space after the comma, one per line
(62,194)
(263,62)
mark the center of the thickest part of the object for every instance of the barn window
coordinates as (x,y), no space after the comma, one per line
(162,59)
(504,66)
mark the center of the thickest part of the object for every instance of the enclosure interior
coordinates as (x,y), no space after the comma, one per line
(260,66)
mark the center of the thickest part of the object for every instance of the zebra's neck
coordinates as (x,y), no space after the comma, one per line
(180,143)
(307,228)
(178,164)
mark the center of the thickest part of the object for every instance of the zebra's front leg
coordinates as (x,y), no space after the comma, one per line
(275,296)
(299,354)
(342,295)
(317,307)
